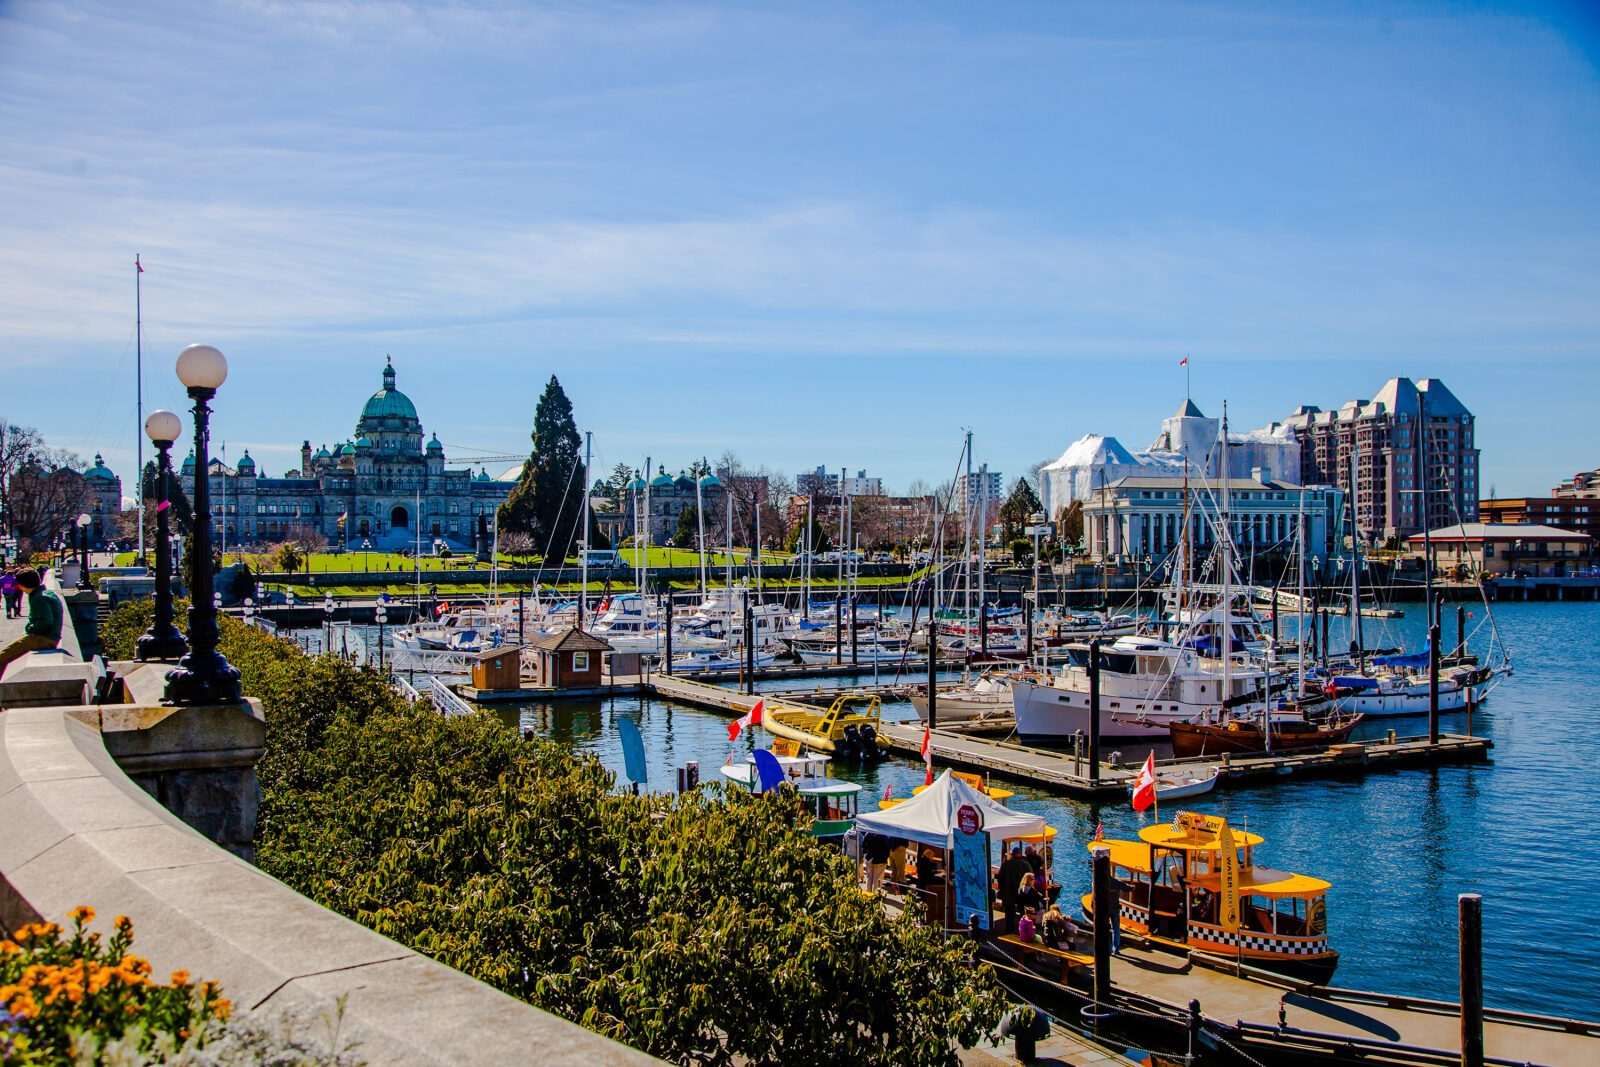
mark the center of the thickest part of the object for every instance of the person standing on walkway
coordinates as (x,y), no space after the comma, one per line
(43,631)
(8,590)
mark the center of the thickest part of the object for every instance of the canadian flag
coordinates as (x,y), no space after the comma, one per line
(888,791)
(1144,786)
(749,718)
(927,753)
(1184,362)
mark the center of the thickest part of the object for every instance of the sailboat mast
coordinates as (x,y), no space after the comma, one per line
(138,388)
(700,541)
(1357,638)
(1300,592)
(644,551)
(1226,529)
(583,533)
(981,528)
(1422,496)
(966,526)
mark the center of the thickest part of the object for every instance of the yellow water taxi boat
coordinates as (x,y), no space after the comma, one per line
(1193,884)
(848,728)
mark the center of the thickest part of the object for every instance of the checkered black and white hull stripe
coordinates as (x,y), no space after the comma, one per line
(1246,939)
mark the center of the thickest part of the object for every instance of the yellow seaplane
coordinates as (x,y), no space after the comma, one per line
(1193,885)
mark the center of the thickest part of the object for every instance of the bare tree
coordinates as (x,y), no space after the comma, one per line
(519,545)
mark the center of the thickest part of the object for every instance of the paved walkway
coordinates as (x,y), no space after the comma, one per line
(1060,1047)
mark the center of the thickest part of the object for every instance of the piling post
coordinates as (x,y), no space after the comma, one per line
(1105,913)
(838,626)
(669,632)
(983,629)
(1470,910)
(1323,647)
(1433,684)
(1094,709)
(933,669)
(749,646)
(1461,631)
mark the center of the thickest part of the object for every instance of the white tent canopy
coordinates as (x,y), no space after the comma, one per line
(929,818)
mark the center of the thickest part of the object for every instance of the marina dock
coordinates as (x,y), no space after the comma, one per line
(1063,772)
(1272,1016)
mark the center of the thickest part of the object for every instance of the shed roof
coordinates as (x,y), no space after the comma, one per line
(571,640)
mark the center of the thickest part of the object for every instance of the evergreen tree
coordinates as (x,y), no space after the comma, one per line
(548,499)
(688,527)
(1018,509)
(181,518)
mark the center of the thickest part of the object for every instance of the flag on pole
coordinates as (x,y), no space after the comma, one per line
(749,718)
(1184,362)
(137,265)
(343,517)
(1099,831)
(927,753)
(1144,786)
(888,791)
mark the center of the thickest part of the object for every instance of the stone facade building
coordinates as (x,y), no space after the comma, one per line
(384,486)
(665,497)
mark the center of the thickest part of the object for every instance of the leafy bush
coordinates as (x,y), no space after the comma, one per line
(56,987)
(702,928)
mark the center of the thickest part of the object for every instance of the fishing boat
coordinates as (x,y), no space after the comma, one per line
(1192,885)
(720,659)
(848,728)
(833,804)
(1191,739)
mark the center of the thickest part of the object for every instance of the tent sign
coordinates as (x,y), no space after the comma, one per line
(969,819)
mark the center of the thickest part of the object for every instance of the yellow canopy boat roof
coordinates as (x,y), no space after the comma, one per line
(1034,839)
(1134,855)
(1266,882)
(1193,837)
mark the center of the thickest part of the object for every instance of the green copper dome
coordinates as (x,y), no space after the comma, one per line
(99,470)
(246,463)
(434,445)
(389,402)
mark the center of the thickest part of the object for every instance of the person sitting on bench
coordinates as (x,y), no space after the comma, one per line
(43,630)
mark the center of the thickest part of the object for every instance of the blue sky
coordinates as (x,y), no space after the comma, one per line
(814,234)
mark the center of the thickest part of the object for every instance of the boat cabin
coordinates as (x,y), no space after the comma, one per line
(832,804)
(1172,886)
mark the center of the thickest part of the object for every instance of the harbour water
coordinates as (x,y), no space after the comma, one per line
(1398,847)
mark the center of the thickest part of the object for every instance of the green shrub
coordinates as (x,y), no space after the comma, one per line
(704,928)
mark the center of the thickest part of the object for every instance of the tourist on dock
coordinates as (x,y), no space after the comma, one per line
(876,849)
(12,594)
(1029,897)
(1027,925)
(1055,929)
(1035,860)
(43,630)
(897,863)
(1011,873)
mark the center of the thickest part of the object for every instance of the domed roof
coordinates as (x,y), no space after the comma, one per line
(389,402)
(246,463)
(663,480)
(323,453)
(434,445)
(637,485)
(362,443)
(349,449)
(709,481)
(483,475)
(188,463)
(99,470)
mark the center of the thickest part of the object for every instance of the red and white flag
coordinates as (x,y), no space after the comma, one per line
(888,791)
(1144,786)
(927,753)
(1184,362)
(137,265)
(1099,831)
(749,718)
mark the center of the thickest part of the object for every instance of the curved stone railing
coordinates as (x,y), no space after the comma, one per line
(74,829)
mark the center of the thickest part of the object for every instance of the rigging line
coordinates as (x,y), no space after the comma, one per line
(550,542)
(106,395)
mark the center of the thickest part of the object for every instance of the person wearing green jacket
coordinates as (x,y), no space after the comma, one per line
(43,630)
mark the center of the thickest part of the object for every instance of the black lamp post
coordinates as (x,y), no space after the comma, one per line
(204,676)
(162,640)
(83,552)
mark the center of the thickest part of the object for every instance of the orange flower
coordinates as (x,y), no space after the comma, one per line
(123,923)
(180,978)
(81,914)
(9,948)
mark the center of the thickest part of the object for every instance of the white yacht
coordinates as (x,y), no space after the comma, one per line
(1145,683)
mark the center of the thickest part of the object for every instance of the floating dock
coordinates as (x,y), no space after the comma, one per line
(1062,772)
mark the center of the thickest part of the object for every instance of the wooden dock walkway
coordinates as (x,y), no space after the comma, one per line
(1273,1013)
(1061,772)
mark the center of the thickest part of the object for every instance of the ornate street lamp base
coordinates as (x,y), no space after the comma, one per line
(161,646)
(212,681)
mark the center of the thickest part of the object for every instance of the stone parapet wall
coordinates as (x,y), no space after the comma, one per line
(75,829)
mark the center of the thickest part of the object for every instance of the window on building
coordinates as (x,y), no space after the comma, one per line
(580,661)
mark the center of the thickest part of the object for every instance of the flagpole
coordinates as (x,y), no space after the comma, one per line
(138,389)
